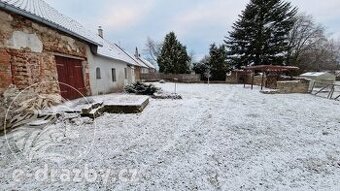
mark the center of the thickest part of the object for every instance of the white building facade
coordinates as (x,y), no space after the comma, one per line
(111,69)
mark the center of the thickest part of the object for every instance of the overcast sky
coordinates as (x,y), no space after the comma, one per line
(197,23)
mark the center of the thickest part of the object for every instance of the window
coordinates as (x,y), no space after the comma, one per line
(98,75)
(126,74)
(114,75)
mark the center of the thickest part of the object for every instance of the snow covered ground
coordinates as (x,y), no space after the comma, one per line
(219,137)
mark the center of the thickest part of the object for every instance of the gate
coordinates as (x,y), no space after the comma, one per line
(330,91)
(70,77)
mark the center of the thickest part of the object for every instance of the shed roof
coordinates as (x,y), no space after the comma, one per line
(271,68)
(315,74)
(40,11)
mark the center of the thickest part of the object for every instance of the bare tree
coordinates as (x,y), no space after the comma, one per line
(304,35)
(152,49)
(324,55)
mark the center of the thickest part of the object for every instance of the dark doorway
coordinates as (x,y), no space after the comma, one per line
(70,77)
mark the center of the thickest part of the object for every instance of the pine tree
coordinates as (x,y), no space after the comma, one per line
(173,58)
(217,62)
(260,35)
(202,67)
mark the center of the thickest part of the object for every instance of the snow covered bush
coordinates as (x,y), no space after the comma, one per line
(151,90)
(140,88)
(166,95)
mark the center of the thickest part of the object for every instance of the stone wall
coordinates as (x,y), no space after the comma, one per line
(295,86)
(27,52)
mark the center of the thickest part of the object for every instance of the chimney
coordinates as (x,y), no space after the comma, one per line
(137,55)
(100,32)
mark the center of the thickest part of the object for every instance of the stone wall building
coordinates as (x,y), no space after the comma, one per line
(44,50)
(40,47)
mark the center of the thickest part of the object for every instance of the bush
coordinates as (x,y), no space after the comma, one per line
(140,88)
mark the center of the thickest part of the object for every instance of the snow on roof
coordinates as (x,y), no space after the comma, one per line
(147,63)
(115,52)
(137,62)
(141,63)
(40,11)
(314,74)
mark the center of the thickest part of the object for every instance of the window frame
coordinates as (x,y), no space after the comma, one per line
(98,73)
(114,75)
(126,73)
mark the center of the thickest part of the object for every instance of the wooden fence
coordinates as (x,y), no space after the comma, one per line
(185,78)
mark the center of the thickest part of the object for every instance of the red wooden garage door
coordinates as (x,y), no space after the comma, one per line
(70,77)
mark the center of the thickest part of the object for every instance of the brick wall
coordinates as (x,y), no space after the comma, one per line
(25,62)
(5,70)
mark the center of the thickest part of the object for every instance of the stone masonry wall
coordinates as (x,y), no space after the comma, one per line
(27,52)
(295,86)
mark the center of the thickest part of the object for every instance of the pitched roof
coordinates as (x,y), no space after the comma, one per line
(40,11)
(114,51)
(138,62)
(147,63)
(141,63)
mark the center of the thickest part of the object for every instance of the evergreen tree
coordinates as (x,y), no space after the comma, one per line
(260,35)
(202,67)
(173,58)
(217,62)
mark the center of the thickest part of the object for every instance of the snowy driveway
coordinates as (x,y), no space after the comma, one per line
(219,137)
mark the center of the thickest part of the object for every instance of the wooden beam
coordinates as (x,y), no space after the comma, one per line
(252,80)
(262,80)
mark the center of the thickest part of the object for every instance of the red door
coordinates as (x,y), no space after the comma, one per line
(70,77)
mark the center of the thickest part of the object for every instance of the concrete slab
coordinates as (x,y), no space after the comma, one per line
(116,103)
(125,103)
(95,106)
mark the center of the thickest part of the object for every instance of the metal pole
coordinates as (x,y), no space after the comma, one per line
(175,87)
(175,79)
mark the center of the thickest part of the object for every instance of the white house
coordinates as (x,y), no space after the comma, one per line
(112,68)
(148,66)
(142,66)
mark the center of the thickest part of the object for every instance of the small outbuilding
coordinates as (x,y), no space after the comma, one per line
(320,78)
